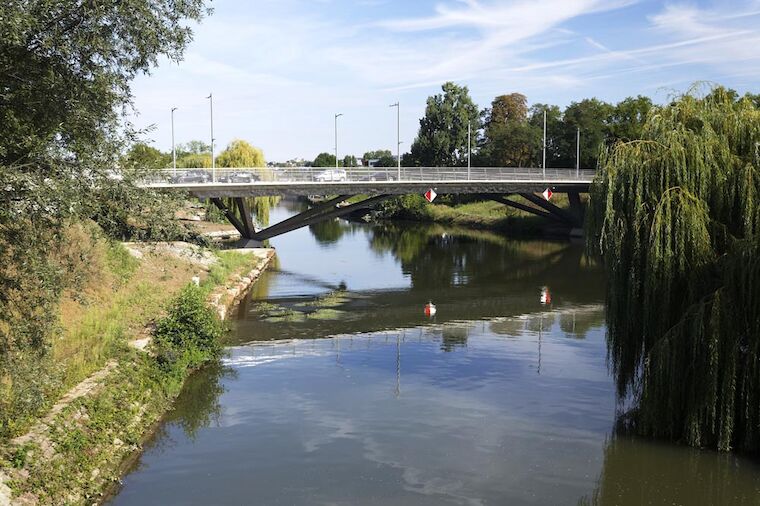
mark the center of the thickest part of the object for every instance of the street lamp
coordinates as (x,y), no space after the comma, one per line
(210,97)
(336,138)
(578,154)
(544,164)
(469,147)
(398,138)
(174,151)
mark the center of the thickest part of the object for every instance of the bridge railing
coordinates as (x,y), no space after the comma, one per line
(184,177)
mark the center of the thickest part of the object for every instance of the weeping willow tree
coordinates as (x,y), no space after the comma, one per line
(676,217)
(240,153)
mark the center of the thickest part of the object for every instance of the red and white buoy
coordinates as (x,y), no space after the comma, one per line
(430,309)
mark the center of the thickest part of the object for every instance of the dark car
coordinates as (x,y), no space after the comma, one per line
(239,177)
(191,176)
(379,176)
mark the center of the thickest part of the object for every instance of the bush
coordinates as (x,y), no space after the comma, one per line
(190,334)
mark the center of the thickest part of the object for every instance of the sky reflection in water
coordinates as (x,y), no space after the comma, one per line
(498,399)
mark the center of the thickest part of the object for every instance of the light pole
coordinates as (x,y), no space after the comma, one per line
(469,147)
(210,98)
(398,138)
(174,151)
(578,154)
(336,138)
(544,163)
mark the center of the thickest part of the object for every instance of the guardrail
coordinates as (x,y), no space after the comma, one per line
(183,177)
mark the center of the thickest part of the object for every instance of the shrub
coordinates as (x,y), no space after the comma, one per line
(190,333)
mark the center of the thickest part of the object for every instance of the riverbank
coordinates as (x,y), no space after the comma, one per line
(115,382)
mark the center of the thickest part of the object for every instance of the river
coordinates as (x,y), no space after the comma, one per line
(342,387)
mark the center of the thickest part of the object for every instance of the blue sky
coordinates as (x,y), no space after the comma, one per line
(280,69)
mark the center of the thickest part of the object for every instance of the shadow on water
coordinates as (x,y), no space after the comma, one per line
(640,471)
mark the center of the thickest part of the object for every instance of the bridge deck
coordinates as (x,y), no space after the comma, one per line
(219,183)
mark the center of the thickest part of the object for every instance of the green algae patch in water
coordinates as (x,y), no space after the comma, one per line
(330,300)
(327,314)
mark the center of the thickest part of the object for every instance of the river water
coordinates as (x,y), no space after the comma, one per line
(339,389)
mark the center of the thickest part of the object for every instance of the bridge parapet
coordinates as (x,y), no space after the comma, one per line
(252,175)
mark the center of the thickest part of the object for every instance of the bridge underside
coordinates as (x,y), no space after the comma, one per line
(337,206)
(332,208)
(264,189)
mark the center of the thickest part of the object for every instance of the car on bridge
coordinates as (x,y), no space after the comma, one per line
(379,176)
(239,177)
(191,176)
(331,175)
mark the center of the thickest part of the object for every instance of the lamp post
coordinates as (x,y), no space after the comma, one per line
(210,97)
(398,139)
(578,154)
(174,151)
(469,147)
(336,138)
(544,156)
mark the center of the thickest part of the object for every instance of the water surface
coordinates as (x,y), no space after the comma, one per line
(501,397)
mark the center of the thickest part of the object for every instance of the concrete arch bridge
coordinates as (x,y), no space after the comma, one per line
(376,184)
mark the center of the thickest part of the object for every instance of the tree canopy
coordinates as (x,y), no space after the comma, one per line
(509,140)
(442,137)
(324,160)
(147,157)
(65,73)
(239,153)
(376,154)
(350,161)
(676,218)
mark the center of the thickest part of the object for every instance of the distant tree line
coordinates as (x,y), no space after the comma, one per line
(195,154)
(510,133)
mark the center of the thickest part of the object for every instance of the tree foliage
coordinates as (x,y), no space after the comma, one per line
(676,218)
(147,157)
(239,153)
(65,73)
(509,140)
(442,137)
(324,160)
(376,154)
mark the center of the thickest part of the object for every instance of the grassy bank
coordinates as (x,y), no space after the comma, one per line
(68,450)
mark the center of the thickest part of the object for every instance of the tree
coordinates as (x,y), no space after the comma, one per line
(324,160)
(592,117)
(376,154)
(442,138)
(676,219)
(195,161)
(508,139)
(239,153)
(508,108)
(193,147)
(65,81)
(350,161)
(558,153)
(386,161)
(626,122)
(147,157)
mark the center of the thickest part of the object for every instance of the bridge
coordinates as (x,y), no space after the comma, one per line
(375,184)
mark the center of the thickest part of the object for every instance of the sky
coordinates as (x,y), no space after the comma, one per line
(280,70)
